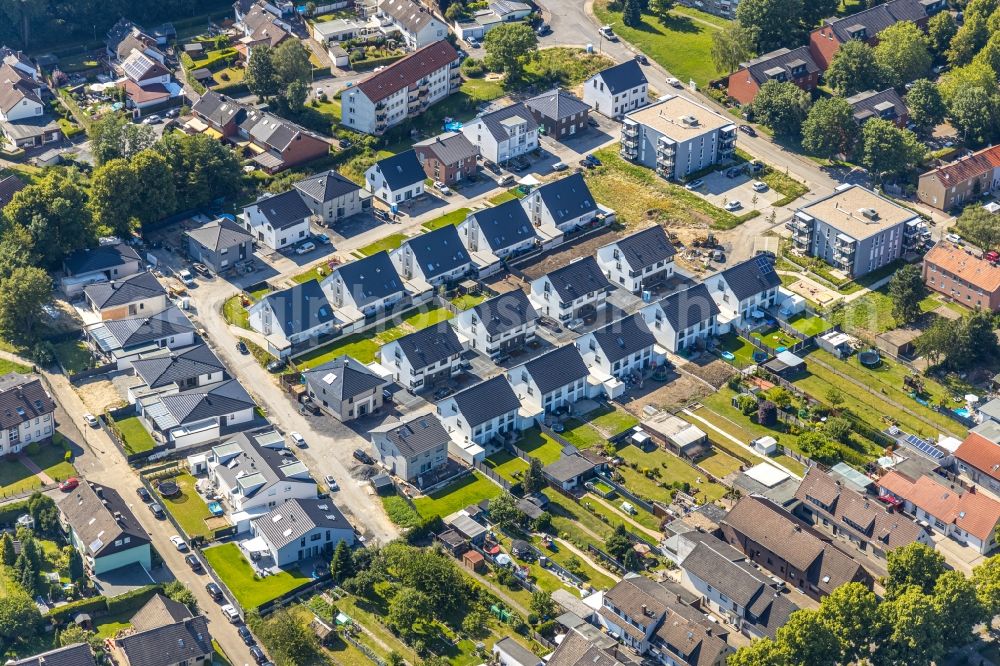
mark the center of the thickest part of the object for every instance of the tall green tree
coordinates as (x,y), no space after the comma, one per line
(23,13)
(409,611)
(20,619)
(854,69)
(289,641)
(979,226)
(913,630)
(509,48)
(986,578)
(44,512)
(972,36)
(851,612)
(533,480)
(903,53)
(341,567)
(74,567)
(782,106)
(925,104)
(114,193)
(807,640)
(261,77)
(888,150)
(776,22)
(958,607)
(632,13)
(907,289)
(54,212)
(941,29)
(941,342)
(732,45)
(761,652)
(203,169)
(974,75)
(542,605)
(291,62)
(179,592)
(504,512)
(912,565)
(829,129)
(23,297)
(115,136)
(814,11)
(7,555)
(973,112)
(73,634)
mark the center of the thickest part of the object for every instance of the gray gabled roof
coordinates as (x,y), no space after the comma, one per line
(624,337)
(494,120)
(622,77)
(878,18)
(505,312)
(557,368)
(326,186)
(159,611)
(567,198)
(569,467)
(292,520)
(136,331)
(77,654)
(99,517)
(751,277)
(245,463)
(877,104)
(646,248)
(486,400)
(177,366)
(369,279)
(10,186)
(450,147)
(299,308)
(218,109)
(342,378)
(784,59)
(438,252)
(684,309)
(218,234)
(505,225)
(416,435)
(283,210)
(99,258)
(401,170)
(578,278)
(22,398)
(430,345)
(204,402)
(179,642)
(123,291)
(557,104)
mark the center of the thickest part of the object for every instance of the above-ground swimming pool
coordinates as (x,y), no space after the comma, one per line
(962,411)
(215,508)
(453,126)
(728,355)
(870,358)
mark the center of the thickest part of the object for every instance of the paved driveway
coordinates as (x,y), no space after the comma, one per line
(720,189)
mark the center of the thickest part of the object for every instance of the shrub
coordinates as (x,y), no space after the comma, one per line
(473,68)
(767,413)
(33,449)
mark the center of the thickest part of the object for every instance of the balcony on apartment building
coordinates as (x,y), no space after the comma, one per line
(727,142)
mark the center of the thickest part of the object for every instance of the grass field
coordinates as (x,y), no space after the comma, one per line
(539,445)
(16,478)
(580,434)
(400,512)
(52,460)
(466,301)
(390,242)
(671,469)
(738,347)
(364,346)
(774,338)
(455,218)
(470,489)
(234,313)
(317,273)
(682,43)
(507,465)
(564,66)
(134,435)
(507,195)
(230,565)
(636,192)
(188,508)
(73,355)
(611,420)
(808,325)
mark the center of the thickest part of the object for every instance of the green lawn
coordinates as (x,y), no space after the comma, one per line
(682,44)
(400,511)
(317,273)
(135,435)
(388,243)
(466,301)
(16,478)
(455,218)
(564,66)
(807,325)
(234,313)
(507,195)
(671,469)
(470,489)
(230,566)
(52,460)
(74,356)
(738,347)
(109,625)
(774,338)
(507,465)
(188,508)
(611,420)
(580,434)
(539,445)
(725,445)
(364,346)
(719,463)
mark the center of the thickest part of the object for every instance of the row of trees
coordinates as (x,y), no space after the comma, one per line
(282,73)
(960,344)
(927,611)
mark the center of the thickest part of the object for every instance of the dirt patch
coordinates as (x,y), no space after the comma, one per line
(712,370)
(503,283)
(100,395)
(566,253)
(676,393)
(813,292)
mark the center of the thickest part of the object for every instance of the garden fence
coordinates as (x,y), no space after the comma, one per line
(492,476)
(625,492)
(288,598)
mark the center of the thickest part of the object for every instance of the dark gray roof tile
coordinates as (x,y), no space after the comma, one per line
(401,170)
(505,312)
(567,198)
(577,279)
(751,277)
(645,248)
(438,252)
(486,400)
(557,368)
(299,308)
(369,279)
(557,104)
(684,309)
(623,77)
(430,345)
(123,291)
(505,225)
(621,338)
(342,378)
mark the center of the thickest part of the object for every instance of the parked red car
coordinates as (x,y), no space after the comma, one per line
(69,484)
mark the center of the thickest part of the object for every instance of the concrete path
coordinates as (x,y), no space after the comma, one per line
(628,519)
(712,426)
(588,559)
(35,469)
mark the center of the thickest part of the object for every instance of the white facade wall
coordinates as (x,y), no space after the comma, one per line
(264,232)
(13,440)
(24,109)
(600,99)
(546,300)
(456,424)
(619,272)
(393,359)
(376,183)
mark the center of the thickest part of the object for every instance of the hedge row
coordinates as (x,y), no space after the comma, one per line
(213,60)
(11,512)
(130,601)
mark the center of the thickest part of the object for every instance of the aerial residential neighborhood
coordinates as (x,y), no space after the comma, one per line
(508,333)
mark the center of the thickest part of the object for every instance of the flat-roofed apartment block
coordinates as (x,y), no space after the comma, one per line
(856,230)
(677,136)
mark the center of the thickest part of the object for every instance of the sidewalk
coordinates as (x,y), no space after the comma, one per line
(35,469)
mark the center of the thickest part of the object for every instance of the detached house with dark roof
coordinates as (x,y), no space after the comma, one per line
(121,341)
(163,633)
(784,65)
(411,448)
(345,388)
(98,264)
(554,380)
(364,287)
(77,654)
(618,350)
(276,143)
(103,529)
(449,158)
(865,26)
(504,134)
(396,179)
(480,414)
(571,292)
(432,258)
(26,412)
(171,371)
(130,296)
(885,104)
(559,113)
(220,244)
(331,197)
(499,325)
(278,221)
(561,206)
(683,319)
(293,317)
(494,234)
(423,357)
(744,291)
(615,91)
(196,415)
(402,90)
(638,260)
(301,529)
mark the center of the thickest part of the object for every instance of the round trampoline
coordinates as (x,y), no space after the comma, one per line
(870,358)
(660,373)
(759,356)
(168,489)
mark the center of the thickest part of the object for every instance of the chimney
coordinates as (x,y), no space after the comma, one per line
(645,610)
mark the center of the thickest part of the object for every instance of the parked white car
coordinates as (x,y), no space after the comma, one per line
(759,186)
(305,248)
(733,205)
(231,613)
(186,277)
(178,543)
(297,439)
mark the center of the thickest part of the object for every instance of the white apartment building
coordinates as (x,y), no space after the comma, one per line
(481,413)
(683,319)
(418,360)
(639,260)
(503,134)
(744,292)
(615,91)
(552,381)
(499,325)
(571,292)
(26,412)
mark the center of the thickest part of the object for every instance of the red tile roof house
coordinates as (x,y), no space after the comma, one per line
(825,41)
(961,180)
(962,277)
(795,65)
(968,517)
(979,459)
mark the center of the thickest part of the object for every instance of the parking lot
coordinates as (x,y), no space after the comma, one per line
(721,190)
